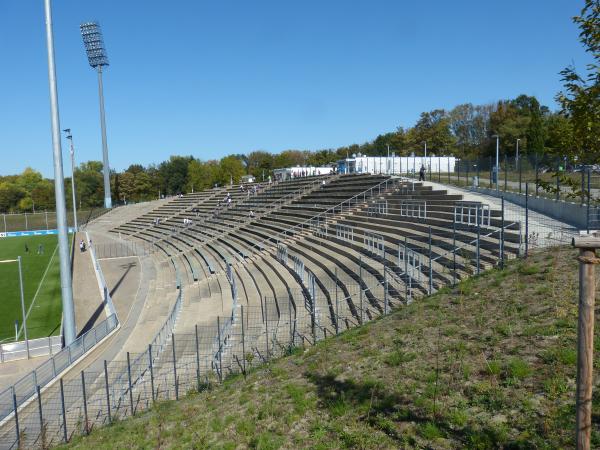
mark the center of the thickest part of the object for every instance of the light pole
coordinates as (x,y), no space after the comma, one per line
(24,316)
(72,151)
(387,161)
(517,156)
(425,143)
(497,161)
(96,54)
(59,189)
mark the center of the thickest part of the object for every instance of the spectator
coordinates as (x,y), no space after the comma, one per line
(422,174)
(251,213)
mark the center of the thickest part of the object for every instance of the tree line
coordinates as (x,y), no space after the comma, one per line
(465,131)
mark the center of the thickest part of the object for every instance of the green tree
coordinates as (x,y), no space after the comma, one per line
(231,168)
(432,127)
(580,99)
(143,188)
(202,175)
(535,129)
(173,174)
(10,195)
(259,161)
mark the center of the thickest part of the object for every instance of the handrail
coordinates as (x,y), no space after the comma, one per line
(269,208)
(104,291)
(178,230)
(332,210)
(27,385)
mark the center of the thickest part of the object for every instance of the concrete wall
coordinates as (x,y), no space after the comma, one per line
(572,213)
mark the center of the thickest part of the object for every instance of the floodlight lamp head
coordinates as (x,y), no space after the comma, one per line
(94,44)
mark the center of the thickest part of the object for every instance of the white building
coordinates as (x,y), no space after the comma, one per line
(289,173)
(396,165)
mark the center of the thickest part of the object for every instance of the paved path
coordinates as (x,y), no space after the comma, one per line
(89,307)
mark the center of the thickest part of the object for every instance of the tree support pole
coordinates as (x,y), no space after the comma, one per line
(585,337)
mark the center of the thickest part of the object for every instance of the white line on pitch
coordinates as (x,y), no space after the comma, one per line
(39,286)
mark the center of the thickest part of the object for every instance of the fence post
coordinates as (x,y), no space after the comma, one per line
(505,172)
(107,392)
(526,219)
(454,249)
(130,386)
(85,410)
(479,218)
(64,413)
(151,371)
(243,342)
(40,411)
(175,367)
(448,170)
(289,302)
(536,175)
(198,351)
(16,410)
(219,349)
(406,267)
(502,234)
(589,198)
(585,337)
(267,327)
(385,285)
(337,301)
(558,179)
(582,185)
(519,161)
(360,289)
(430,266)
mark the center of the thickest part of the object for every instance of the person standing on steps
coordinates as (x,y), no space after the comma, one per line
(422,174)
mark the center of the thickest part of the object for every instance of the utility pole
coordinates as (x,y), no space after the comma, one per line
(59,189)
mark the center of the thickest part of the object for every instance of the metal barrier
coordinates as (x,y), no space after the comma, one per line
(472,213)
(375,243)
(37,347)
(27,386)
(378,208)
(344,232)
(413,208)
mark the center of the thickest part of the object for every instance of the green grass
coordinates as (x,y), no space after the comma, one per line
(478,366)
(45,315)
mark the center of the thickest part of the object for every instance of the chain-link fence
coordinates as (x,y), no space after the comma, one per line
(541,176)
(45,220)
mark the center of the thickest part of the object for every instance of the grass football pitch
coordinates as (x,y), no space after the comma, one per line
(41,280)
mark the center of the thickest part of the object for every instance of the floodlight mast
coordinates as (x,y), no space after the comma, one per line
(96,54)
(59,190)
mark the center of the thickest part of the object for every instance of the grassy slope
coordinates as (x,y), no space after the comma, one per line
(45,316)
(488,364)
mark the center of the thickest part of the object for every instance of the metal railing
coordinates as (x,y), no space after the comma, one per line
(37,347)
(26,387)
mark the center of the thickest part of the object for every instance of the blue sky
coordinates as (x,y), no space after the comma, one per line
(214,78)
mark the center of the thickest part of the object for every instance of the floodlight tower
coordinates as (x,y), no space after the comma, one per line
(96,54)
